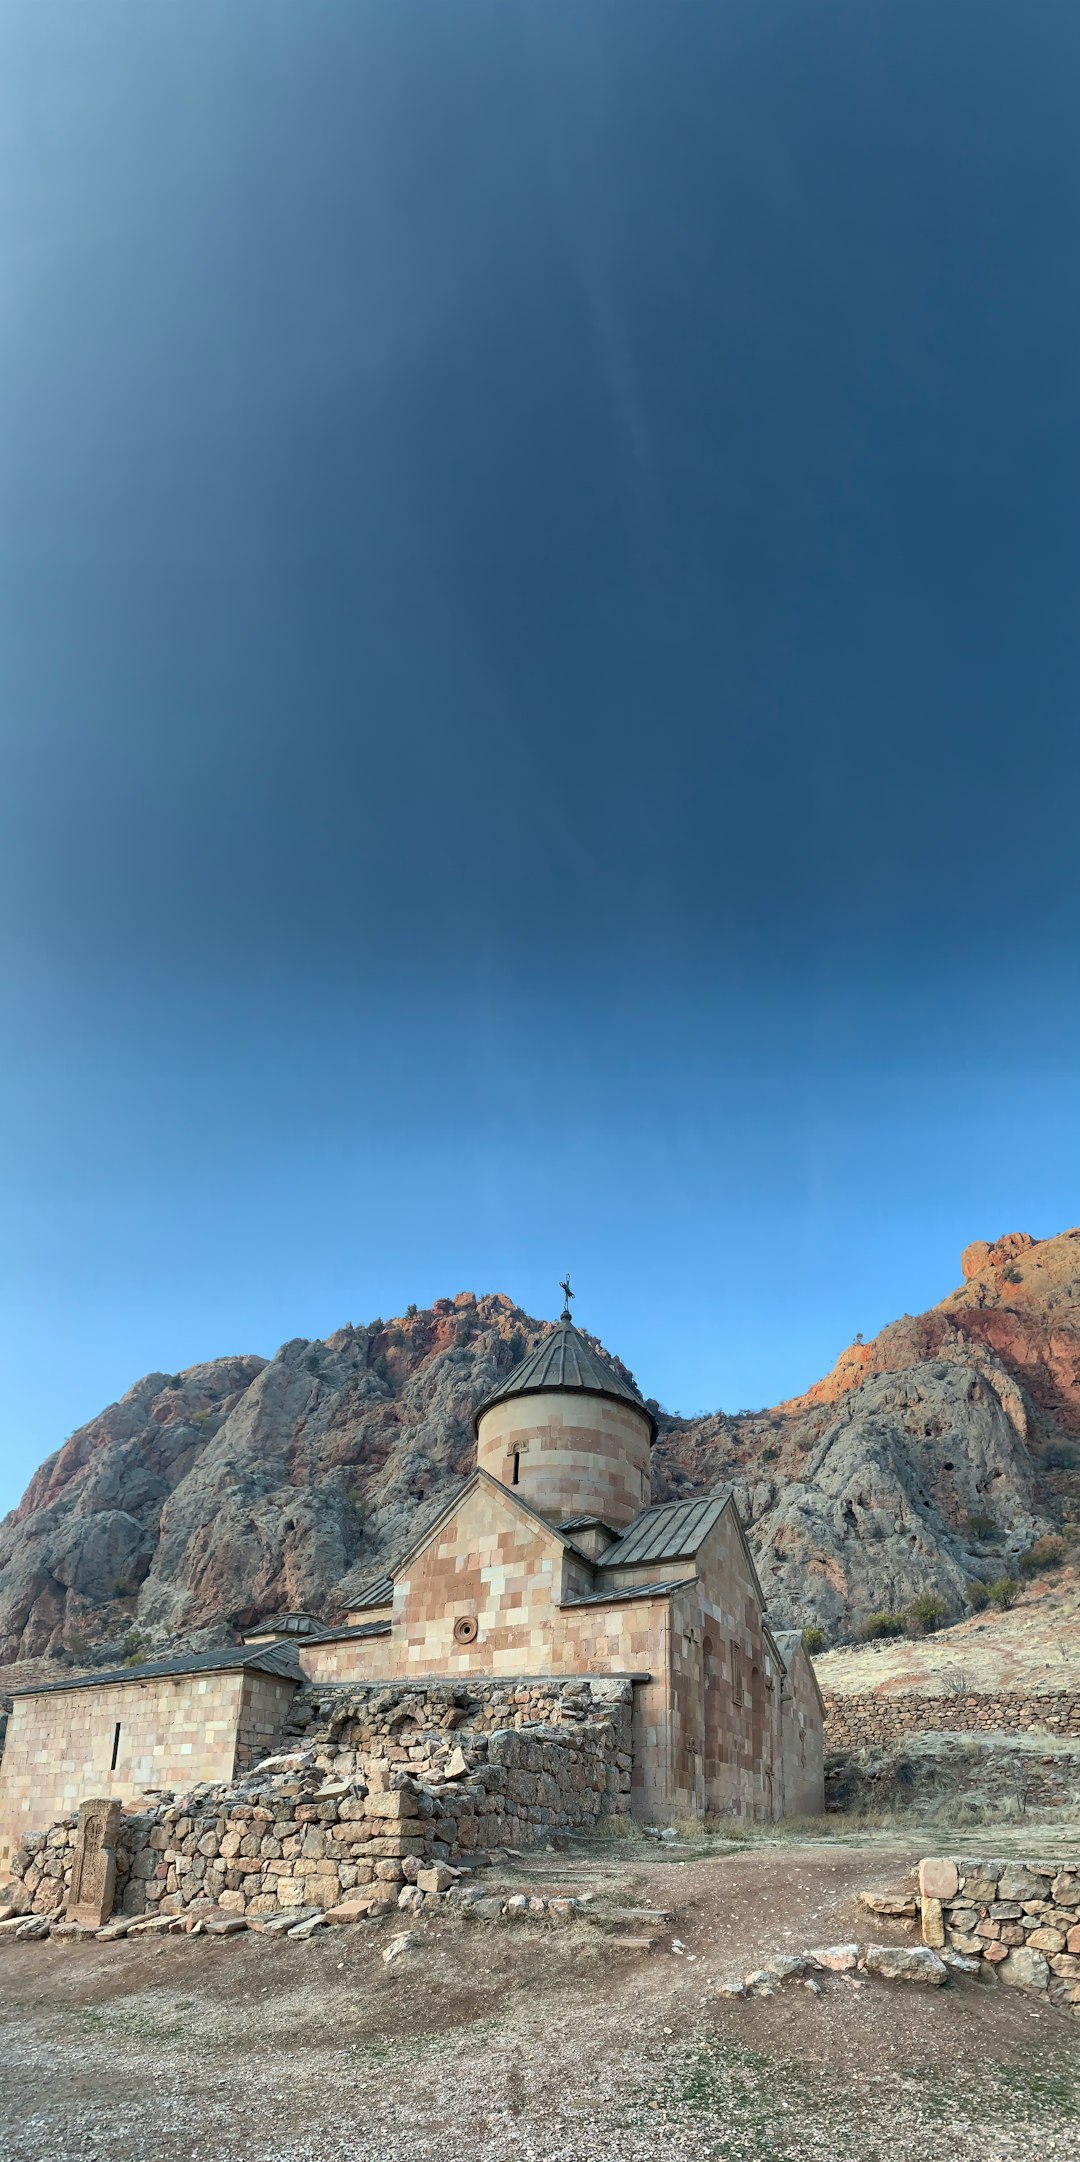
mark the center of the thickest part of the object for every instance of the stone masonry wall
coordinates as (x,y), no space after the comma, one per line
(382,1781)
(1021,1918)
(853,1722)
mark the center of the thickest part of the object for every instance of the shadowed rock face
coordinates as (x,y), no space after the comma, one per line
(211,1498)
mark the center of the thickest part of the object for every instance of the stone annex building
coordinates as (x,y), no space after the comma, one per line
(551,1562)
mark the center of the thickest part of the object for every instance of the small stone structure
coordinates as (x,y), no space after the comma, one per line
(93,1866)
(384,1782)
(204,1716)
(1020,1918)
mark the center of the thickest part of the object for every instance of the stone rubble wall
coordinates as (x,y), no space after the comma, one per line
(380,1781)
(853,1722)
(1021,1918)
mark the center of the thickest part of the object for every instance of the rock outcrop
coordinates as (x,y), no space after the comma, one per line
(206,1500)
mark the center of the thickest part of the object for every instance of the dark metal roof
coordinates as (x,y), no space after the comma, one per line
(379,1592)
(351,1629)
(665,1533)
(265,1659)
(293,1625)
(564,1359)
(616,1594)
(588,1523)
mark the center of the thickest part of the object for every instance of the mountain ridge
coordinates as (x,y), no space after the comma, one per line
(205,1500)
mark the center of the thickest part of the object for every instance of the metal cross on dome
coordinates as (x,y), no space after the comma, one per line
(564,1287)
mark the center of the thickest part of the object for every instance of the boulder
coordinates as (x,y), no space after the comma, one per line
(906,1963)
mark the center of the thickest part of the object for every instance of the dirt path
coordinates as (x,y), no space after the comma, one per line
(543,2044)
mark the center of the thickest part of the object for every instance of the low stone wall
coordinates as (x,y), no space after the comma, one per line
(384,1780)
(854,1722)
(1021,1918)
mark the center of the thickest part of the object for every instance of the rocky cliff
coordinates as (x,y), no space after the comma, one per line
(207,1499)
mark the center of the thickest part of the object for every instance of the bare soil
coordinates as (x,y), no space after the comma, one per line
(534,2040)
(1033,1648)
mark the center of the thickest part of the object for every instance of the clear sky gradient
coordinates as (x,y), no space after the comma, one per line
(539,672)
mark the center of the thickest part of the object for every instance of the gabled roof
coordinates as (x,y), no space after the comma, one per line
(564,1359)
(264,1659)
(665,1532)
(505,1493)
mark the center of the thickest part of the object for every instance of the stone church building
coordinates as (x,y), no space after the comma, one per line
(551,1561)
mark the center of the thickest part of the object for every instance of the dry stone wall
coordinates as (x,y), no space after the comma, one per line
(1021,1918)
(381,1782)
(856,1722)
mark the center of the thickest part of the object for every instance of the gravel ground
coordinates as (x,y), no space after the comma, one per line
(533,2041)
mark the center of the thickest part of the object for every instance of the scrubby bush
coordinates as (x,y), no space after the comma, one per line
(1060,1456)
(814,1640)
(928,1611)
(1003,1592)
(884,1625)
(769,1456)
(977,1595)
(980,1526)
(1045,1553)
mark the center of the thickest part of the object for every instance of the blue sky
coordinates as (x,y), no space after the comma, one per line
(538,672)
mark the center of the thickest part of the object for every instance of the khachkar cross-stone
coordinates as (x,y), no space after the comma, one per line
(564,1287)
(93,1872)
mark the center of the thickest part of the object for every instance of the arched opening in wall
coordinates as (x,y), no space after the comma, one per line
(115,1747)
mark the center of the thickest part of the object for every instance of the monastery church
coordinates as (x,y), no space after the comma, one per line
(551,1561)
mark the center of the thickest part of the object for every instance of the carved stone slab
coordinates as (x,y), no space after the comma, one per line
(93,1875)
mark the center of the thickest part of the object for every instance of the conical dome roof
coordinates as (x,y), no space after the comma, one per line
(564,1359)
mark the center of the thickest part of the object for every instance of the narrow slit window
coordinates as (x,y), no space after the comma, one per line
(736,1674)
(115,1746)
(516,1477)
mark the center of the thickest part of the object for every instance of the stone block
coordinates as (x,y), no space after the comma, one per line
(292,1891)
(1023,1883)
(1047,1940)
(401,1803)
(938,1878)
(933,1923)
(1025,1969)
(439,1878)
